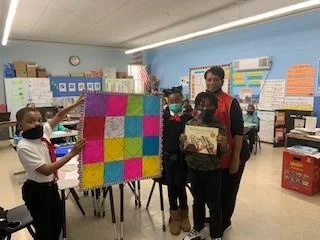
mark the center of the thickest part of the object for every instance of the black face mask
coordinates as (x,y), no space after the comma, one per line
(206,115)
(33,133)
(250,113)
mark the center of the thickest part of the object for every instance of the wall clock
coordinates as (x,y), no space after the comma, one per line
(74,60)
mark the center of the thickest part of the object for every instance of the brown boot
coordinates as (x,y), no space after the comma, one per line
(174,222)
(185,222)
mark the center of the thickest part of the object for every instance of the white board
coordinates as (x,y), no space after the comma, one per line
(17,94)
(20,91)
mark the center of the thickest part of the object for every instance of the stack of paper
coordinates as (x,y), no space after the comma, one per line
(303,149)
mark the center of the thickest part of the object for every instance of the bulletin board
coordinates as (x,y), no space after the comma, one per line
(247,79)
(197,83)
(74,86)
(300,87)
(123,138)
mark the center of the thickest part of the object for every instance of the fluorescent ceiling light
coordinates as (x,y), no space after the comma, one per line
(9,21)
(234,24)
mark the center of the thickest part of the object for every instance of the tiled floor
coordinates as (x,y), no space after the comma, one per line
(264,210)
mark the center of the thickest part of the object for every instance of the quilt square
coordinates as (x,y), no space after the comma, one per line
(96,104)
(133,127)
(132,168)
(151,166)
(117,105)
(113,172)
(92,175)
(93,128)
(114,127)
(151,126)
(113,149)
(93,152)
(133,147)
(150,146)
(135,106)
(151,105)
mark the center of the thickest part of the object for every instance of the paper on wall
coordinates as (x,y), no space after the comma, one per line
(81,86)
(299,103)
(266,126)
(72,87)
(272,94)
(62,87)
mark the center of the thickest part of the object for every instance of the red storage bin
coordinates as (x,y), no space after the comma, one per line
(300,173)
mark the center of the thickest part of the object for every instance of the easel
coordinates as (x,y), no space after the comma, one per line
(99,204)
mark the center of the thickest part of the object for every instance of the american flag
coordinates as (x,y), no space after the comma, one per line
(145,77)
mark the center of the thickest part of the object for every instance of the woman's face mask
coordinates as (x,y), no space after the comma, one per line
(33,133)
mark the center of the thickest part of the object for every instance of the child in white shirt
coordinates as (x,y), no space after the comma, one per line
(36,153)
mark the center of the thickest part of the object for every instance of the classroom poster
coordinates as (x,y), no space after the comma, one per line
(197,83)
(81,86)
(272,94)
(300,80)
(299,103)
(123,138)
(245,95)
(72,87)
(97,86)
(62,87)
(238,78)
(90,86)
(17,94)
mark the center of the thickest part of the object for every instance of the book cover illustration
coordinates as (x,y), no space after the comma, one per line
(202,139)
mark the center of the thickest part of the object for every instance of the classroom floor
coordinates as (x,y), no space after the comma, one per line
(264,210)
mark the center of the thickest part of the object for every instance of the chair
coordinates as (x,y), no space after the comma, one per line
(19,214)
(161,181)
(257,139)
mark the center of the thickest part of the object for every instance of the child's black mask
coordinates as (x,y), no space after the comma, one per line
(207,115)
(33,133)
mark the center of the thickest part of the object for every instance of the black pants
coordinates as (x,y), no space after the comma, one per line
(206,189)
(44,205)
(229,191)
(175,172)
(252,137)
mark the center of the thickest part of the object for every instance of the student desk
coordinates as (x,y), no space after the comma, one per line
(70,123)
(302,139)
(64,134)
(11,125)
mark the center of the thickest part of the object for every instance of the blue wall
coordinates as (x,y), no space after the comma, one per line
(288,41)
(55,57)
(291,40)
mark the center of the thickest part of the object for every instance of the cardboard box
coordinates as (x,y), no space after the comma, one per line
(21,73)
(20,65)
(122,74)
(32,70)
(41,72)
(300,173)
(109,72)
(77,74)
(20,68)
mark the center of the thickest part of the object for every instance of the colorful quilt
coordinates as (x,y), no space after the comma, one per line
(123,135)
